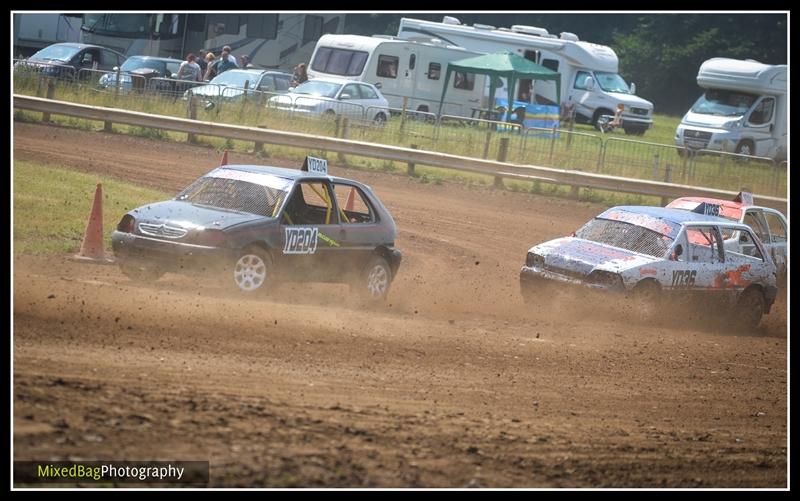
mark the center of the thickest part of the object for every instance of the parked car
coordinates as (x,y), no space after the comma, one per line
(138,71)
(230,85)
(769,224)
(66,60)
(652,254)
(335,96)
(258,225)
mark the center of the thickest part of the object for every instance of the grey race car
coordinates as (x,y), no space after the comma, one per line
(260,224)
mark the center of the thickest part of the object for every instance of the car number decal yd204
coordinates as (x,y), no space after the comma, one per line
(300,241)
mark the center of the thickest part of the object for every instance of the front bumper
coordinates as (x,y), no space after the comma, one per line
(168,254)
(531,278)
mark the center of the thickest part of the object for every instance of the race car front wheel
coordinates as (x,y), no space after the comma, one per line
(252,269)
(646,300)
(376,279)
(749,309)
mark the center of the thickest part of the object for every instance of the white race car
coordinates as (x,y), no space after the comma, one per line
(654,253)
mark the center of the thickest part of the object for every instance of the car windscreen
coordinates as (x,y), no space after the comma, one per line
(725,103)
(56,53)
(612,82)
(235,78)
(625,236)
(136,63)
(317,88)
(233,194)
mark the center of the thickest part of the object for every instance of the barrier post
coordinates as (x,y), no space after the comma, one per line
(51,89)
(502,154)
(191,113)
(410,169)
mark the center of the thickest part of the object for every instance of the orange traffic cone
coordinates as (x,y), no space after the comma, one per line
(224,158)
(92,245)
(348,205)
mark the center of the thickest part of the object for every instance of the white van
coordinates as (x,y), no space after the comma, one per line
(590,82)
(743,109)
(401,68)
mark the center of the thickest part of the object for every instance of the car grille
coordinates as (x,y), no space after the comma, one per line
(565,272)
(639,111)
(696,138)
(161,230)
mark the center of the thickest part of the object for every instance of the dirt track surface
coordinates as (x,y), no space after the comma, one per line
(454,383)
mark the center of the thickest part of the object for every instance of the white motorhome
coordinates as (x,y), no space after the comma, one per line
(401,69)
(743,109)
(33,32)
(590,81)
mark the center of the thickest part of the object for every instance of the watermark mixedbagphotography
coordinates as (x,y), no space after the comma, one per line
(130,473)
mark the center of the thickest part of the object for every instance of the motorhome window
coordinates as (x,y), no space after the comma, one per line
(120,24)
(725,103)
(339,61)
(532,55)
(611,82)
(434,71)
(264,26)
(465,81)
(387,66)
(224,23)
(550,64)
(367,92)
(762,113)
(312,29)
(412,61)
(581,78)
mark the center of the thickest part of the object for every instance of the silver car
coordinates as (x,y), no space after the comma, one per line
(333,96)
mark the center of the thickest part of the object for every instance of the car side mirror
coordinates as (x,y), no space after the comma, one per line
(590,84)
(174,76)
(633,88)
(115,68)
(378,85)
(344,97)
(678,252)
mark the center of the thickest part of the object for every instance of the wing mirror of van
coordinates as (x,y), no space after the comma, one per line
(590,84)
(633,88)
(378,85)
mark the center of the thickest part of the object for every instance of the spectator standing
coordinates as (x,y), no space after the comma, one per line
(231,57)
(225,62)
(300,75)
(201,61)
(245,62)
(211,67)
(189,71)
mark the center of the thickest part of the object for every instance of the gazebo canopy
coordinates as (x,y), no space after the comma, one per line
(502,64)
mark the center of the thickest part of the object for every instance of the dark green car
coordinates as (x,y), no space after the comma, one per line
(259,225)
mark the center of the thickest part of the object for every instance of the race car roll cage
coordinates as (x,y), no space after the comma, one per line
(734,226)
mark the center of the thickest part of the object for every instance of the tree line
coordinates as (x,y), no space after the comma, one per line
(661,53)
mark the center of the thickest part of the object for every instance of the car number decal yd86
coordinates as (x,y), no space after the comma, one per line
(300,241)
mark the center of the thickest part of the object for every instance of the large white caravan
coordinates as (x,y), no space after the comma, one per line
(401,69)
(590,81)
(743,109)
(33,32)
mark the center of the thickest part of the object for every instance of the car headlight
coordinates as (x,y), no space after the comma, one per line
(533,260)
(733,124)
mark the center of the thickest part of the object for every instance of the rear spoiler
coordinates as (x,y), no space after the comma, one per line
(744,197)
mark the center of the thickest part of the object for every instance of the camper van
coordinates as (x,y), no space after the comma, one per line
(402,69)
(743,109)
(589,80)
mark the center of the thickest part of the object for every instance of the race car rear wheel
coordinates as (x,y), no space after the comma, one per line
(376,279)
(252,270)
(749,309)
(139,271)
(646,300)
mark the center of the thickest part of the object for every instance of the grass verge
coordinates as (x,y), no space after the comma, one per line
(52,206)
